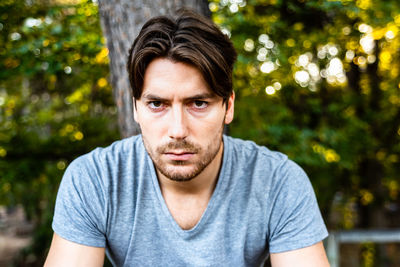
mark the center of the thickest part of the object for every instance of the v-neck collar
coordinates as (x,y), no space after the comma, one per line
(212,203)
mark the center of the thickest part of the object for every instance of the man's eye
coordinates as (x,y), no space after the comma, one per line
(200,104)
(155,104)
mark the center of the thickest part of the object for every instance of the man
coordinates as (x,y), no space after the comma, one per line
(182,193)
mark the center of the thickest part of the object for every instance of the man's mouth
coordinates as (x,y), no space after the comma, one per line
(179,155)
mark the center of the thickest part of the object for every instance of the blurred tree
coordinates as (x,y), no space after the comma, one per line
(55,102)
(121,22)
(319,80)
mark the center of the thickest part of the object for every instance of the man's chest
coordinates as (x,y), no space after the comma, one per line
(186,211)
(150,233)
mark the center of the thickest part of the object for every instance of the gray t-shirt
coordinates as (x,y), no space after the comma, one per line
(263,203)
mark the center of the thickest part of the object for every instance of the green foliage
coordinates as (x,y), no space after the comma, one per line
(319,80)
(55,102)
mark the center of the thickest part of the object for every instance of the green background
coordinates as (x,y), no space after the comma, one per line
(318,80)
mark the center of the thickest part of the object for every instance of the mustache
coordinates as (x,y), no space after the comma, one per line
(187,146)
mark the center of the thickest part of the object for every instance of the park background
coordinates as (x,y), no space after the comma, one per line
(316,79)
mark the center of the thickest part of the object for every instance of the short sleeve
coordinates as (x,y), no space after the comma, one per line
(295,220)
(80,210)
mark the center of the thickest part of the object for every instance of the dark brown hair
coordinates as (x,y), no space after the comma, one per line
(188,38)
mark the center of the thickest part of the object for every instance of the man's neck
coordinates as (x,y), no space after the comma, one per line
(188,200)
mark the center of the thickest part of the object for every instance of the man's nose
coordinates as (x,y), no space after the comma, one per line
(178,128)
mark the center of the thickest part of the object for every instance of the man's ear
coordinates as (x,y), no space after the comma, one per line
(230,108)
(134,109)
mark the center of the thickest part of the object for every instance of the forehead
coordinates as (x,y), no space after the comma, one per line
(170,79)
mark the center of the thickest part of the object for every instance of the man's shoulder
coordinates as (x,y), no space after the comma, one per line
(265,164)
(250,149)
(112,154)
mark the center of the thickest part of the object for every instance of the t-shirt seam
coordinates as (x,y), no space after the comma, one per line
(87,241)
(79,169)
(275,196)
(301,242)
(75,238)
(106,195)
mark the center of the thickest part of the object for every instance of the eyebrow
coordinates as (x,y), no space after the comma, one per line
(152,97)
(194,97)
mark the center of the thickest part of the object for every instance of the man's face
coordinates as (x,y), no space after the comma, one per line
(181,119)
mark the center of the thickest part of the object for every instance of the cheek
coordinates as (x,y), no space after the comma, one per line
(155,130)
(208,125)
(148,123)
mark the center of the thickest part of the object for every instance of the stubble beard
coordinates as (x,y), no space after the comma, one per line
(171,172)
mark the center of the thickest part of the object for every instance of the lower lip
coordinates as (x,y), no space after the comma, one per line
(181,157)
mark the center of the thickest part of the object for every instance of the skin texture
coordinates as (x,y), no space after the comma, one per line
(312,256)
(182,123)
(64,253)
(182,128)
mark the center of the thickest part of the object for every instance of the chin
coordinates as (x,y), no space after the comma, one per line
(180,178)
(180,173)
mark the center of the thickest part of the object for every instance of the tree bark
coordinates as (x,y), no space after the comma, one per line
(121,21)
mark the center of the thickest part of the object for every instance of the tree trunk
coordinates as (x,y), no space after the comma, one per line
(121,21)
